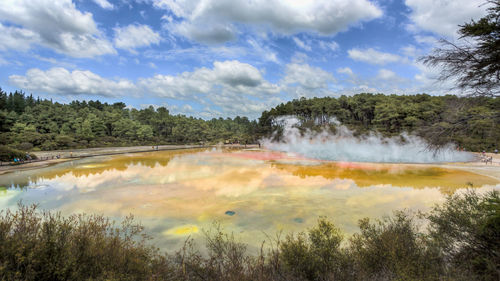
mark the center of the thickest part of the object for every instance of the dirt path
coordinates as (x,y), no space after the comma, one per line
(491,169)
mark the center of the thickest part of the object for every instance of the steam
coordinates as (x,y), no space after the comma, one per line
(344,146)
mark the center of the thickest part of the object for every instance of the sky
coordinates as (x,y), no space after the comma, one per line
(223,58)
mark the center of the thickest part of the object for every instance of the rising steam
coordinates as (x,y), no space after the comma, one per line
(344,146)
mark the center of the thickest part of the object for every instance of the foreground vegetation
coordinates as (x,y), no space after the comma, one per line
(460,242)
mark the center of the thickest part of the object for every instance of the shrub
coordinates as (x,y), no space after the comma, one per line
(46,246)
(393,249)
(316,255)
(8,154)
(25,146)
(461,243)
(467,229)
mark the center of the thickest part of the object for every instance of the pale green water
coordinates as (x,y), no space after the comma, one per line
(178,193)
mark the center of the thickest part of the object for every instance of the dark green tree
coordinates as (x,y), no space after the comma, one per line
(474,60)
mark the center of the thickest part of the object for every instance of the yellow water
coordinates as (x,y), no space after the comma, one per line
(177,194)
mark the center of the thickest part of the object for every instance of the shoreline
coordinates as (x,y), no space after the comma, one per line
(490,170)
(75,154)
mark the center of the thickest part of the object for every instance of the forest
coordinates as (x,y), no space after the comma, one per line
(472,123)
(28,123)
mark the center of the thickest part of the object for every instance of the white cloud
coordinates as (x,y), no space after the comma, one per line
(443,16)
(209,34)
(167,18)
(215,18)
(60,81)
(410,51)
(135,36)
(104,4)
(345,70)
(386,74)
(228,77)
(234,87)
(304,80)
(263,51)
(301,44)
(56,24)
(307,76)
(373,56)
(427,82)
(427,40)
(331,46)
(17,38)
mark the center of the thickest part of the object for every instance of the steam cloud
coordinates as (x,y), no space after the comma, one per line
(344,146)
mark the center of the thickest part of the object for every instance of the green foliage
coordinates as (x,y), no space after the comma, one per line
(48,125)
(394,249)
(46,246)
(467,229)
(474,60)
(317,254)
(8,154)
(471,123)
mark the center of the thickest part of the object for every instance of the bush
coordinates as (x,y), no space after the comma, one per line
(46,246)
(316,255)
(8,154)
(394,249)
(461,243)
(25,146)
(467,229)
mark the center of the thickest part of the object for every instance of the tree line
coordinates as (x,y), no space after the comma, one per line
(29,123)
(472,123)
(26,123)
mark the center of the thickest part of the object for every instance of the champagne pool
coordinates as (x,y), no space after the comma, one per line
(251,193)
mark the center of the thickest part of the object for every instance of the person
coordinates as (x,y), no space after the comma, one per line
(489,159)
(496,151)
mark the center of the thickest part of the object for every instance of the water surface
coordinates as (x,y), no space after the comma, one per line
(176,194)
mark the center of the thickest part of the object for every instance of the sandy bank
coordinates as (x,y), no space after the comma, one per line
(491,169)
(72,154)
(68,155)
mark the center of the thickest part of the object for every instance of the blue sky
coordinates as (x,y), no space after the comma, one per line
(222,58)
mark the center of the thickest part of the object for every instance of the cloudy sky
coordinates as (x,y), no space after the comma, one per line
(222,58)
